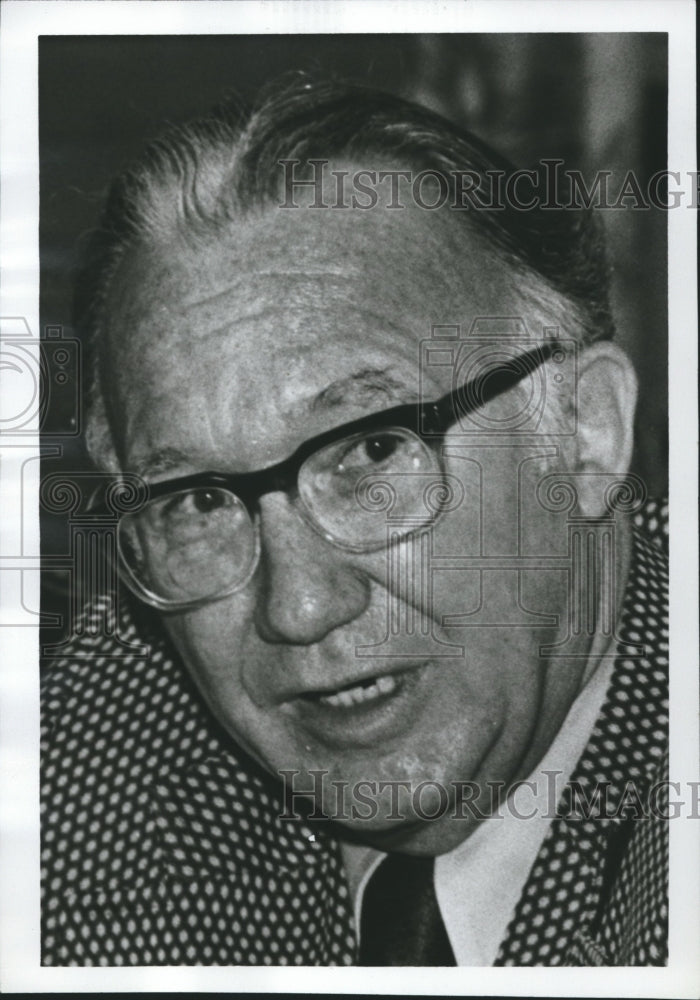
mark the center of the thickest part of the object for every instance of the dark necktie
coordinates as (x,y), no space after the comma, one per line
(400,922)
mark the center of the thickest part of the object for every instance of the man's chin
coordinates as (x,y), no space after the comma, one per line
(415,835)
(420,810)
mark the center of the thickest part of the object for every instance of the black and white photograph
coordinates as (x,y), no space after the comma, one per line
(349,438)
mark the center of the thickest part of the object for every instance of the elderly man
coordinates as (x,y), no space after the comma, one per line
(390,631)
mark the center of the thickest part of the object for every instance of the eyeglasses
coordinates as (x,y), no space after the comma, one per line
(196,539)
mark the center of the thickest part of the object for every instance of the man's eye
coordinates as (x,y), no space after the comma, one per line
(191,504)
(371,451)
(205,501)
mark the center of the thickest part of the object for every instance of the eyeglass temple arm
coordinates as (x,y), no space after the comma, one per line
(478,391)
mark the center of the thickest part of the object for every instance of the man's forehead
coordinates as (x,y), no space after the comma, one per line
(412,261)
(319,309)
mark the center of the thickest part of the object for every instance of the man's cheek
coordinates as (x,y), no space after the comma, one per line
(210,641)
(456,596)
(419,585)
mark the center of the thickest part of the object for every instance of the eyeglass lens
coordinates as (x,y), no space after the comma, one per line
(200,543)
(189,545)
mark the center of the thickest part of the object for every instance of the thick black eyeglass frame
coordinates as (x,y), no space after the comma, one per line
(434,418)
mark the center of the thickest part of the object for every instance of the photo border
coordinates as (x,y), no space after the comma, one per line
(22,23)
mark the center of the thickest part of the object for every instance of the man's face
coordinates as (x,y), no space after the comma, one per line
(227,358)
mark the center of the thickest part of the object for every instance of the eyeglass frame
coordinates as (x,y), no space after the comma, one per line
(428,421)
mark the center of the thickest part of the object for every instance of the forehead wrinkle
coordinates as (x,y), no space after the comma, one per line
(314,310)
(203,332)
(242,278)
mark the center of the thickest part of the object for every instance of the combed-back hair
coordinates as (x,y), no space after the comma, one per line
(198,179)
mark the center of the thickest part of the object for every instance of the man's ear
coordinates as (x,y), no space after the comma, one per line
(605,402)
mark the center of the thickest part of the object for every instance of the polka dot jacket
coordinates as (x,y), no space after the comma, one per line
(163,845)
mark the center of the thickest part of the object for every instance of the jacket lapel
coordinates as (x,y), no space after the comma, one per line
(558,918)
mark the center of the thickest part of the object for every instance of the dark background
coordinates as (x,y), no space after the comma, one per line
(598,101)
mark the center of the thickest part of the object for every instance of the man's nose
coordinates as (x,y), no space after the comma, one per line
(306,586)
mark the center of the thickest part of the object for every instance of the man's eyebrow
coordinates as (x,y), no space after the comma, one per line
(362,387)
(160,461)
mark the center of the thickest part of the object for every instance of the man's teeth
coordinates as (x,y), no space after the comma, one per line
(358,694)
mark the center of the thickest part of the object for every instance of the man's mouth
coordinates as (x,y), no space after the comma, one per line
(365,710)
(358,694)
